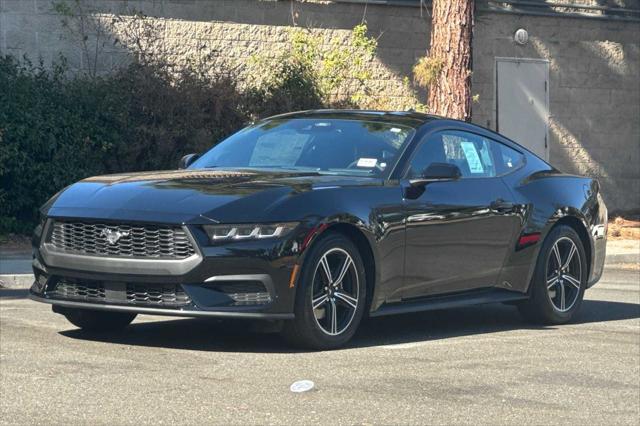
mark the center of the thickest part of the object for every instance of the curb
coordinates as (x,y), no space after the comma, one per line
(16,281)
(613,259)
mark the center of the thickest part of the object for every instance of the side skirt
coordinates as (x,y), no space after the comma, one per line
(458,300)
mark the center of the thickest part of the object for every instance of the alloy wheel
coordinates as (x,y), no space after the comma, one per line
(335,291)
(564,274)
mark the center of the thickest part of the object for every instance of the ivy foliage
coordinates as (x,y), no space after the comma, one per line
(334,73)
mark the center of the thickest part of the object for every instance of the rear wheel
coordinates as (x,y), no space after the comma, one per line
(91,320)
(560,278)
(331,298)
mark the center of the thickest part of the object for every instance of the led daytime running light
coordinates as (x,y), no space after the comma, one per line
(219,233)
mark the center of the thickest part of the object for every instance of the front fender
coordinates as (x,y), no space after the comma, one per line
(375,213)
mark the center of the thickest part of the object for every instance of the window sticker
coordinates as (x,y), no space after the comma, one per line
(367,162)
(473,159)
(395,130)
(279,148)
(486,158)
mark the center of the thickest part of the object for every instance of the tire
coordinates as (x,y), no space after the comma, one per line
(313,328)
(556,293)
(99,321)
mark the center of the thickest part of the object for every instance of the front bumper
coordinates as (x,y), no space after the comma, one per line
(248,279)
(159,311)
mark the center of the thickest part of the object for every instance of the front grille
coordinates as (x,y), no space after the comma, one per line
(140,294)
(121,240)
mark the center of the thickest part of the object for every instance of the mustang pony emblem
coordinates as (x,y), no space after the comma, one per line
(113,236)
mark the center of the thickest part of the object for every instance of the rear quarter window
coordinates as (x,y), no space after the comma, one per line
(508,159)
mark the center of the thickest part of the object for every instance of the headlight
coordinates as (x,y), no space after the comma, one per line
(221,233)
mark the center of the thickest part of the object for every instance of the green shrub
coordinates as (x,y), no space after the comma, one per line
(164,116)
(48,138)
(56,130)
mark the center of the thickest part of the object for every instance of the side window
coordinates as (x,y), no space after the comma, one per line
(507,159)
(471,153)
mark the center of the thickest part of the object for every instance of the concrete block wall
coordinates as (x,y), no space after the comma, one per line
(594,76)
(232,31)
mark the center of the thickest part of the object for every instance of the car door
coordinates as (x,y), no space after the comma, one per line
(458,232)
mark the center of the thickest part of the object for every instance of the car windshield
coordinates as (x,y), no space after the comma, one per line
(331,146)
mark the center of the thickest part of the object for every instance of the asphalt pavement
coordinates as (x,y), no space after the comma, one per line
(473,365)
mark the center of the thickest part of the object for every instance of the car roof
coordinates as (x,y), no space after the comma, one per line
(407,118)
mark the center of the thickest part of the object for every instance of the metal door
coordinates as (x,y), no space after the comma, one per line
(522,102)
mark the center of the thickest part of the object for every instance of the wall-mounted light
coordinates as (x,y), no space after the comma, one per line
(521,36)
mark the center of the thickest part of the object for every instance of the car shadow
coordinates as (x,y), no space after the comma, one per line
(240,336)
(477,320)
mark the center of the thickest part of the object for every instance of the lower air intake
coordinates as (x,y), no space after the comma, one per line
(166,295)
(88,291)
(139,294)
(244,292)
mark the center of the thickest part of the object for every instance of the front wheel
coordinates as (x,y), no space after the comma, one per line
(331,298)
(91,320)
(559,280)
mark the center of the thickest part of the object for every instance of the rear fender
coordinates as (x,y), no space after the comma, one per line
(551,198)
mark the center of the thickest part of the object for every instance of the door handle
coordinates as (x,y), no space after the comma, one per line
(501,205)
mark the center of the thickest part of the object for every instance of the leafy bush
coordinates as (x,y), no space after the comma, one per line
(51,133)
(163,116)
(56,130)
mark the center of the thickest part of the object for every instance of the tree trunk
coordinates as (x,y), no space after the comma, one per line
(451,33)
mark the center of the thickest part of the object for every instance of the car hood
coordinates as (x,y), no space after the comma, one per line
(189,196)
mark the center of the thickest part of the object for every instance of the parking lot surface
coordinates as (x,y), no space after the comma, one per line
(474,365)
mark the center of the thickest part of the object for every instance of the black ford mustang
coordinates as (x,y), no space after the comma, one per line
(319,218)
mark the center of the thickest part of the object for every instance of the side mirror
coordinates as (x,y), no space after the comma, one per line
(187,160)
(437,172)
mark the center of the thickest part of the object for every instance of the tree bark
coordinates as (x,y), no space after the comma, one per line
(451,36)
